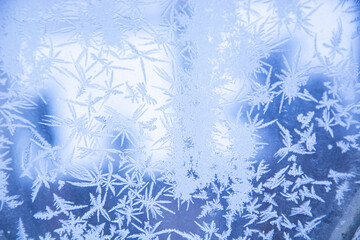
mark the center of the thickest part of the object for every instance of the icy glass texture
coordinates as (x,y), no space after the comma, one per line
(179,119)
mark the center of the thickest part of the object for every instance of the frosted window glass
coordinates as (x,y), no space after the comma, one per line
(179,119)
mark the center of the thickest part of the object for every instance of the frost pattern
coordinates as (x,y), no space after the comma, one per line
(191,120)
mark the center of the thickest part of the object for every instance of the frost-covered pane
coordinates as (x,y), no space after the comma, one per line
(179,119)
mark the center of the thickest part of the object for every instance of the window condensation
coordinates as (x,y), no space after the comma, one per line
(179,119)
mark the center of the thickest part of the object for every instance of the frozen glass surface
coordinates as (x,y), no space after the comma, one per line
(179,119)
